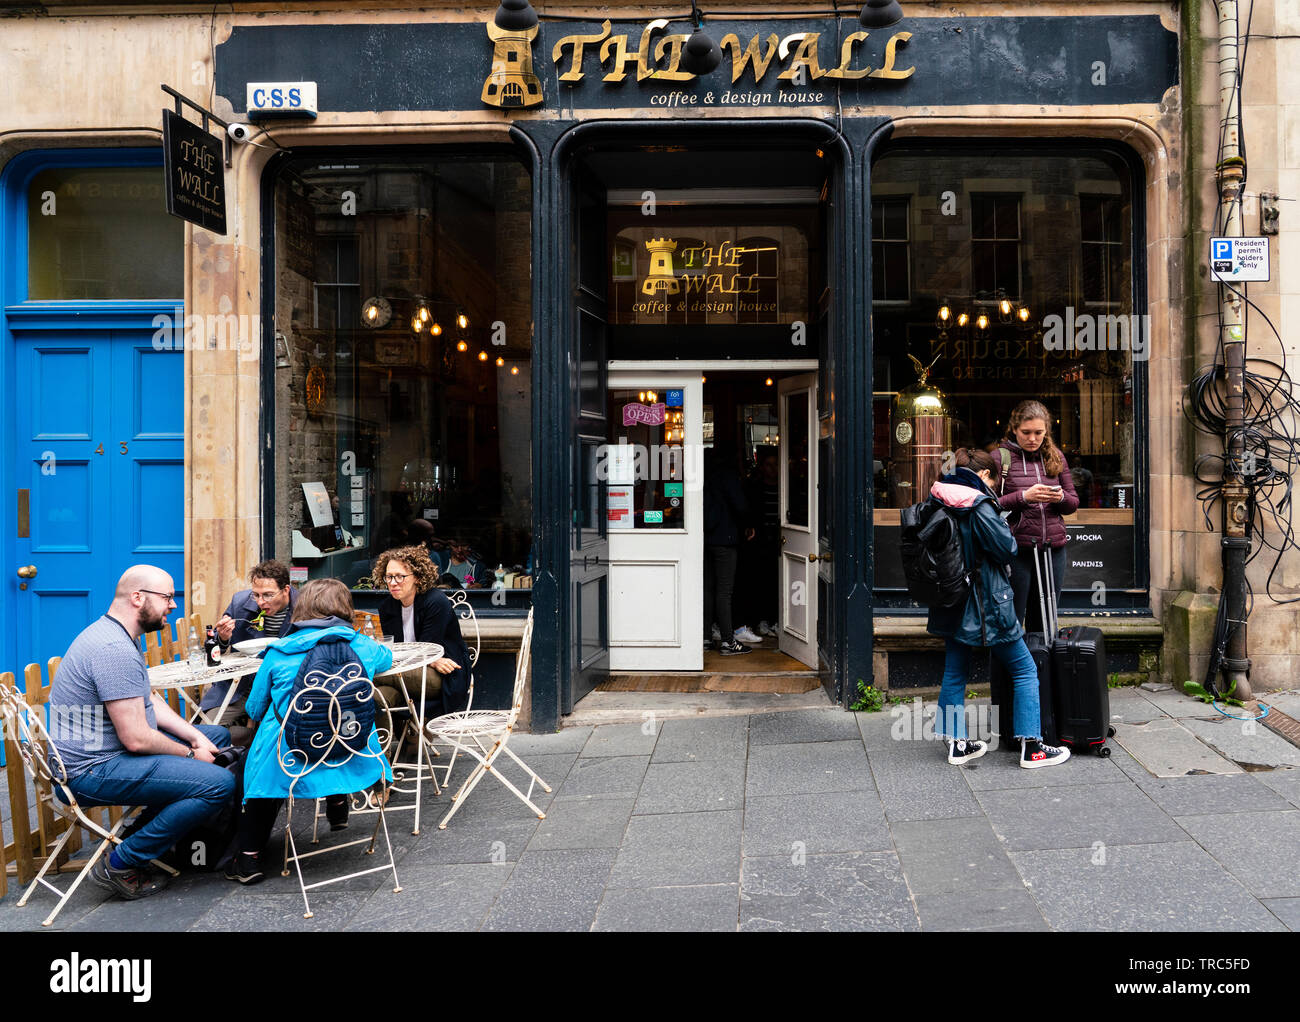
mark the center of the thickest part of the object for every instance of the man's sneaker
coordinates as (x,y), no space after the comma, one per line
(733,648)
(963,751)
(717,634)
(246,869)
(129,883)
(746,635)
(765,629)
(1035,754)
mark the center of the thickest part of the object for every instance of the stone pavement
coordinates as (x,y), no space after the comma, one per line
(812,820)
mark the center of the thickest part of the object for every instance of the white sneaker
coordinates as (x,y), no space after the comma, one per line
(746,635)
(765,629)
(717,634)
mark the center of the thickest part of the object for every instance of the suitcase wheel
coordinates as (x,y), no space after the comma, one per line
(1104,751)
(1110,732)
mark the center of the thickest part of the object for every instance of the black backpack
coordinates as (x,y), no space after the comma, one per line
(933,559)
(332,665)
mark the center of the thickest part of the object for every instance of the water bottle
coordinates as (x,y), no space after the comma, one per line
(368,629)
(196,656)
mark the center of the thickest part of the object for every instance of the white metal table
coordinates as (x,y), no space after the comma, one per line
(409,657)
(178,676)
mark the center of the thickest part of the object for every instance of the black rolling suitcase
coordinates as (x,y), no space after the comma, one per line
(1001,690)
(1082,693)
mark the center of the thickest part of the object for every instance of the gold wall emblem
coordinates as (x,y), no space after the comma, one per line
(511,82)
(662,277)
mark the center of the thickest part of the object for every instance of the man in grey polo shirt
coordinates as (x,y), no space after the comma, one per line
(123,745)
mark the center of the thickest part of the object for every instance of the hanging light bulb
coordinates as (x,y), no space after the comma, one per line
(514,370)
(1023,314)
(417,324)
(462,320)
(500,361)
(768,382)
(962,319)
(1004,307)
(982,321)
(436,329)
(641,397)
(482,356)
(462,346)
(944,315)
(421,309)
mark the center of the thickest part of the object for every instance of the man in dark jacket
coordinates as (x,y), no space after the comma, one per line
(261,612)
(726,516)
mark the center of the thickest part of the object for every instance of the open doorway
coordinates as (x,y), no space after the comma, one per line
(714,545)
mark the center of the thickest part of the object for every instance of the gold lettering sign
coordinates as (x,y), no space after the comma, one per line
(799,53)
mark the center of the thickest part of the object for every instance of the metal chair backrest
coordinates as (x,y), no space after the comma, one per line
(522,668)
(464,610)
(25,725)
(330,747)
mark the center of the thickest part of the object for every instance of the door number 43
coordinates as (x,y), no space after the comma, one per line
(120,443)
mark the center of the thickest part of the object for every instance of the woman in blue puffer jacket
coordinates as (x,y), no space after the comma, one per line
(986,618)
(323,610)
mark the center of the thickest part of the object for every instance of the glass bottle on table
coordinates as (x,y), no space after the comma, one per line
(195,658)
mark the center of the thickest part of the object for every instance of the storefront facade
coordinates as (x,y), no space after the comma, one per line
(494,266)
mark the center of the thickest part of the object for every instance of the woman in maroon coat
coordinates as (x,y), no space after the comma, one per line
(1037,489)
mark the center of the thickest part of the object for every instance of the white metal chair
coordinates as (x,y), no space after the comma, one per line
(464,610)
(483,734)
(332,746)
(49,779)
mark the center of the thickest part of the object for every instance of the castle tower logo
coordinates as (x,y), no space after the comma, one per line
(511,82)
(662,277)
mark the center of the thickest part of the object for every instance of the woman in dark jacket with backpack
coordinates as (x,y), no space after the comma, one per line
(1036,486)
(322,612)
(986,617)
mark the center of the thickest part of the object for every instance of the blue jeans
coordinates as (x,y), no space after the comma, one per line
(177,794)
(956,673)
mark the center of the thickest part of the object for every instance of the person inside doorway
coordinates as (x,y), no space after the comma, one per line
(726,514)
(757,575)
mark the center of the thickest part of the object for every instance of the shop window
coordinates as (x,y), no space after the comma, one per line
(995,244)
(102,233)
(1101,238)
(1033,297)
(890,257)
(403,381)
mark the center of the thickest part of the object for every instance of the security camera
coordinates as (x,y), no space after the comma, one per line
(239,132)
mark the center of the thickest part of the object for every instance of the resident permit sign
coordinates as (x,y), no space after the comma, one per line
(1239,260)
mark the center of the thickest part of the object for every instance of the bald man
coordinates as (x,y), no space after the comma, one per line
(123,745)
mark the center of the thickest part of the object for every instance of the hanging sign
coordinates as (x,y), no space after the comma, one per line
(194,167)
(648,415)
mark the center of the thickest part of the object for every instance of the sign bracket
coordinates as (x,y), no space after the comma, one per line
(207,115)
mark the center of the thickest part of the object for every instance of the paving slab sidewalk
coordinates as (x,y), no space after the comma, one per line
(810,819)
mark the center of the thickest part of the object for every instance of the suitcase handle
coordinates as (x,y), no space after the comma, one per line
(1046,597)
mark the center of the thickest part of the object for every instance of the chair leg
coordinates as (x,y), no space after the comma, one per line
(72,889)
(397,886)
(525,799)
(49,861)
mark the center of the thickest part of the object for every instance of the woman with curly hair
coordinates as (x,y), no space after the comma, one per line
(1036,486)
(415,611)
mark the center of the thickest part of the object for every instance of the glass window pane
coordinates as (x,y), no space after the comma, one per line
(102,233)
(403,414)
(796,458)
(645,469)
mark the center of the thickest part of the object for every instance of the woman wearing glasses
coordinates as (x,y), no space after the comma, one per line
(415,611)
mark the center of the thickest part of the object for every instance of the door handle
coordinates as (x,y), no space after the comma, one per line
(27,572)
(812,557)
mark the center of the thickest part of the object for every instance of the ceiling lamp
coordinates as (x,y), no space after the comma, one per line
(516,16)
(436,329)
(462,346)
(880,14)
(462,320)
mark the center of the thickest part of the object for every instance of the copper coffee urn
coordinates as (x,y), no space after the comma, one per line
(921,432)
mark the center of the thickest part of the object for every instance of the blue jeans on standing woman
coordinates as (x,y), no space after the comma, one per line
(956,674)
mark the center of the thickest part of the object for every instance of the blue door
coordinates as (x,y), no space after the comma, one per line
(94,480)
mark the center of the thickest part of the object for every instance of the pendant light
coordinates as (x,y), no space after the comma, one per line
(880,13)
(515,16)
(701,55)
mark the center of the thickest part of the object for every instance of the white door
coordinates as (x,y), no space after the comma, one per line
(652,474)
(797,399)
